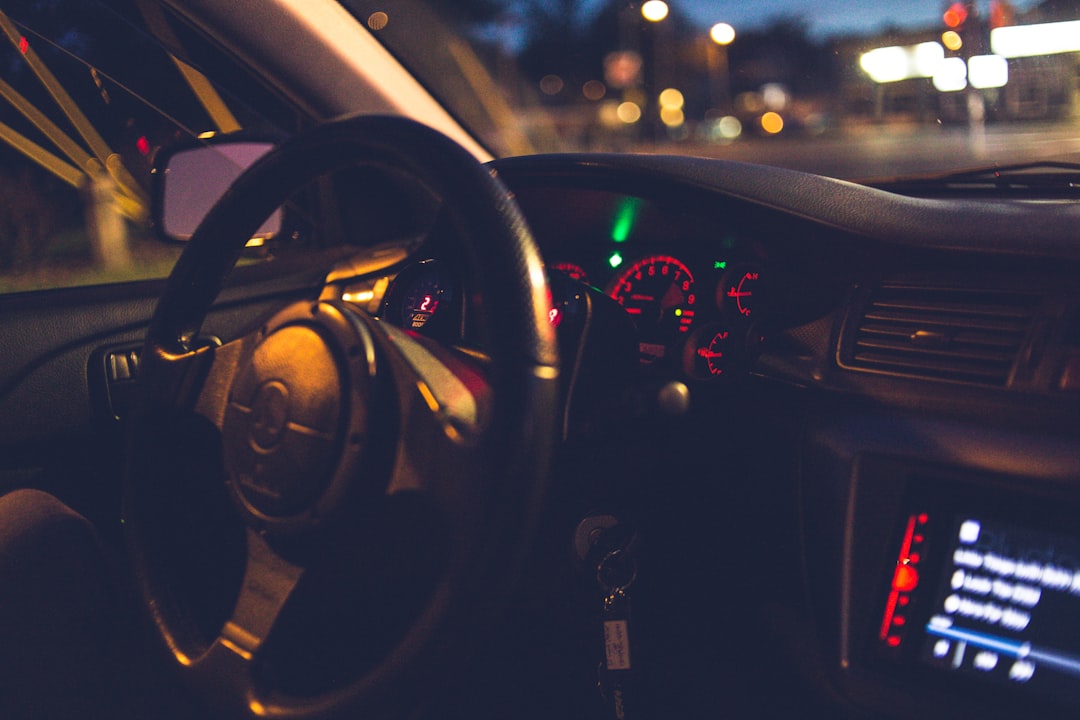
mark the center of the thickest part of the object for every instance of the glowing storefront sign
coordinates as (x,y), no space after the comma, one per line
(988,71)
(891,64)
(1033,40)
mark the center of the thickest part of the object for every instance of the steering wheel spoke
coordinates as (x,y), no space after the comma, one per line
(446,407)
(268,581)
(226,670)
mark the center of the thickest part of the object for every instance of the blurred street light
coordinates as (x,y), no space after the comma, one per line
(654,10)
(722,33)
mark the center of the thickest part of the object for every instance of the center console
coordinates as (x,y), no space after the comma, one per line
(944,577)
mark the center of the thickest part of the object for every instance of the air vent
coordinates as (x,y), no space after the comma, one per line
(960,335)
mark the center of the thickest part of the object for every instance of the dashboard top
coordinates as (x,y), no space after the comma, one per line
(729,270)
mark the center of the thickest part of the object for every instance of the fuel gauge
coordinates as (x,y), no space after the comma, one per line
(713,351)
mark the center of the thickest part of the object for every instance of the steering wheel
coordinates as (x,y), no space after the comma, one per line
(325,514)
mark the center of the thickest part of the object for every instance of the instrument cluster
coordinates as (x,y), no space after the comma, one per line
(697,296)
(697,313)
(690,317)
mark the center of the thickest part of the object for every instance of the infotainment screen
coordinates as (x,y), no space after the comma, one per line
(975,596)
(1007,608)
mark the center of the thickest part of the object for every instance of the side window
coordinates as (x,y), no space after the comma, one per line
(88,95)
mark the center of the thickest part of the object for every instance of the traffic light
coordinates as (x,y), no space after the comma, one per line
(1002,14)
(955,16)
(966,33)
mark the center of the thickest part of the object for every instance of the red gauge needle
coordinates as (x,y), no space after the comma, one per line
(709,354)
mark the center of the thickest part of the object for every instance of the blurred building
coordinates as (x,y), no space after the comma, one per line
(984,62)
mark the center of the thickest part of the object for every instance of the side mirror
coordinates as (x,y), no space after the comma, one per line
(187,181)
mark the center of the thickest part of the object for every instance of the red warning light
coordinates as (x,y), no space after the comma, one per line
(955,16)
(905,579)
(24,46)
(893,641)
(143,145)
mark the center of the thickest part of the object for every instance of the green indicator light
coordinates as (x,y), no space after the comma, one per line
(678,312)
(615,260)
(626,214)
(720,265)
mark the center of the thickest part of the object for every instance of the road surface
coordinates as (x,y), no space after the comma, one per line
(885,151)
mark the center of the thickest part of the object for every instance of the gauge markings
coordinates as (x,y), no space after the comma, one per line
(658,291)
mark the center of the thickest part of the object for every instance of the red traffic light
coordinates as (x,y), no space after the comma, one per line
(955,16)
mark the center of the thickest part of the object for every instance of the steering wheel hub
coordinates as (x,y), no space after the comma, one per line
(296,415)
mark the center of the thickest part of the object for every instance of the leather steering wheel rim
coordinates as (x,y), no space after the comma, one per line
(504,272)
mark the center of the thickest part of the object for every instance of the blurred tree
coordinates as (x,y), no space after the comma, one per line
(479,11)
(553,39)
(783,52)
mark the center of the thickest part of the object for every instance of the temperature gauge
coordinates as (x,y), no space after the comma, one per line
(740,292)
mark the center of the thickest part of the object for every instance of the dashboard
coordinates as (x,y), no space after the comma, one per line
(879,434)
(847,468)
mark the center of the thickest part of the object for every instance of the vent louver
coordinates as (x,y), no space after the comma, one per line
(949,334)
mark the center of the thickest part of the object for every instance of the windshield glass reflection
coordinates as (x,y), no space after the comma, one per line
(849,89)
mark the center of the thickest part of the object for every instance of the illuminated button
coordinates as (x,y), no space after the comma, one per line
(905,579)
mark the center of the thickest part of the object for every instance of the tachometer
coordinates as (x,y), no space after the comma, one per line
(658,291)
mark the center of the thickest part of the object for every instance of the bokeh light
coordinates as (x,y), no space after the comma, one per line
(722,33)
(628,112)
(551,84)
(593,90)
(654,10)
(772,123)
(671,98)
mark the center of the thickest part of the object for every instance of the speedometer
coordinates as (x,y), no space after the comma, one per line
(658,292)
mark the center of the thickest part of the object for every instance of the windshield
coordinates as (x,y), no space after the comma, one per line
(855,90)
